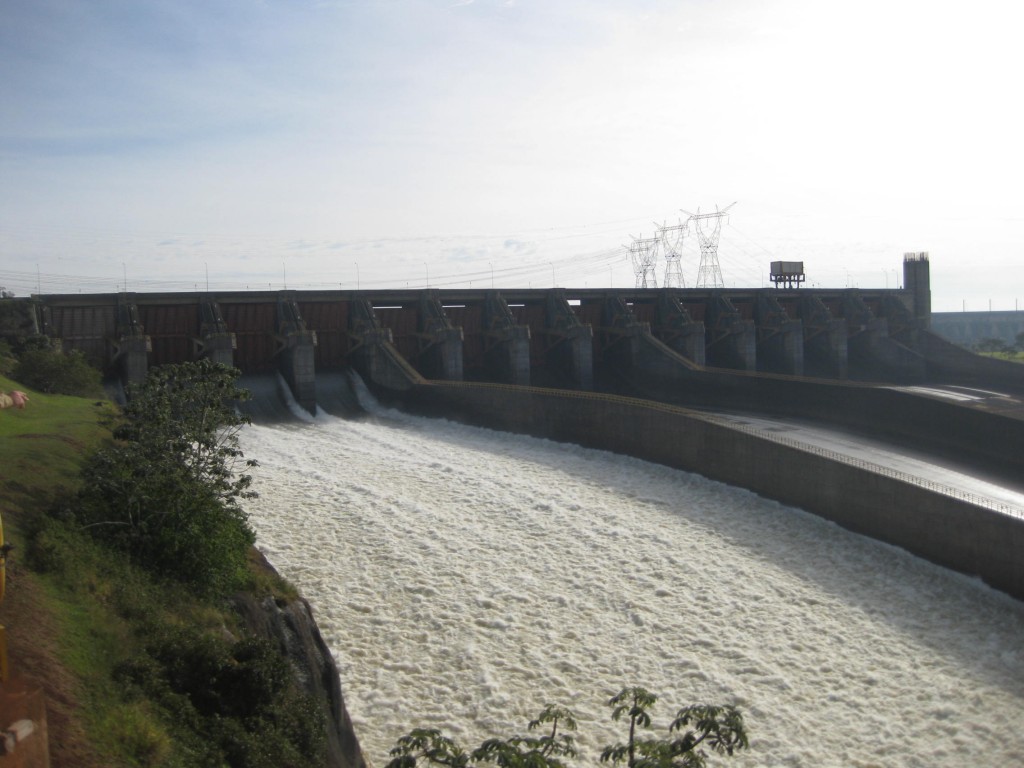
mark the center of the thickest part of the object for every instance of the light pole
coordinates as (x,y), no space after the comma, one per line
(428,273)
(492,275)
(357,275)
(552,273)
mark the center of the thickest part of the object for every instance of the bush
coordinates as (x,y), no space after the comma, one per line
(168,493)
(139,734)
(7,359)
(237,695)
(49,370)
(166,519)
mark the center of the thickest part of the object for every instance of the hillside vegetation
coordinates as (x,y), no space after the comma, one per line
(138,668)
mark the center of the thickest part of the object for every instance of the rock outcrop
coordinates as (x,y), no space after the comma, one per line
(290,627)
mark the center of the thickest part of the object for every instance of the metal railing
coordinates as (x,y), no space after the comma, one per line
(985,502)
(896,474)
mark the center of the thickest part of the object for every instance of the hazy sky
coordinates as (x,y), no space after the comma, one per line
(324,143)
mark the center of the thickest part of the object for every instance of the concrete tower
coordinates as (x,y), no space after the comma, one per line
(917,280)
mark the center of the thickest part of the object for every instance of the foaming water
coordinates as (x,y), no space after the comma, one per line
(465,578)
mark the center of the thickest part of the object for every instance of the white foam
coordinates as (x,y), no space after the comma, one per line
(465,578)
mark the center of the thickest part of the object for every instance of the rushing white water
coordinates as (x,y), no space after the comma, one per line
(465,578)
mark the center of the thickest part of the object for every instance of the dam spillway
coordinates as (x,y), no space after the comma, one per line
(427,349)
(559,336)
(464,578)
(404,346)
(747,343)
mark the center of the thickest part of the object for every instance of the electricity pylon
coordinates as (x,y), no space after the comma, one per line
(709,274)
(644,253)
(672,241)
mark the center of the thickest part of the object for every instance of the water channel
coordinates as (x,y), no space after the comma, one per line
(464,578)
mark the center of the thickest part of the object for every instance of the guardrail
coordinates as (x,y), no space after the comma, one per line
(948,490)
(906,477)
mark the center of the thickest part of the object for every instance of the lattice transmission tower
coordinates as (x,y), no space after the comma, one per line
(644,253)
(672,243)
(709,274)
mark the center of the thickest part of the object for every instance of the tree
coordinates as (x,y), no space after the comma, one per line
(719,728)
(991,346)
(46,368)
(527,752)
(635,702)
(8,362)
(167,491)
(434,747)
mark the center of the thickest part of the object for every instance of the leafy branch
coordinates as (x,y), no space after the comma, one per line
(719,728)
(168,491)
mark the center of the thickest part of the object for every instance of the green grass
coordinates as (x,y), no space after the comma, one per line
(42,447)
(1013,357)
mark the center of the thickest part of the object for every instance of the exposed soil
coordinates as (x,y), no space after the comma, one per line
(32,652)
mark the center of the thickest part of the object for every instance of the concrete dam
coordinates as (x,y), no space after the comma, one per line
(632,371)
(563,337)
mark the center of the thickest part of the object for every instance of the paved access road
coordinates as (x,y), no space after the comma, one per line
(918,464)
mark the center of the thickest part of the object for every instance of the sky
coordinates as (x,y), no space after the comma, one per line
(153,145)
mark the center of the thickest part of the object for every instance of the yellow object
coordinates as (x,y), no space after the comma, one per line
(3,561)
(3,580)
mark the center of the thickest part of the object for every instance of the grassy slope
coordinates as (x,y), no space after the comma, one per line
(80,609)
(41,449)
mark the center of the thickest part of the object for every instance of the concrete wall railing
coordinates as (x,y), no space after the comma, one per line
(990,438)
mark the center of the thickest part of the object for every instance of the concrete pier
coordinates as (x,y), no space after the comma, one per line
(440,351)
(731,340)
(780,339)
(877,356)
(215,341)
(295,353)
(132,347)
(373,353)
(506,346)
(673,325)
(825,340)
(568,343)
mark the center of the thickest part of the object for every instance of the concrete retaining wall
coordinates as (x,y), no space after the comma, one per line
(986,439)
(950,362)
(950,531)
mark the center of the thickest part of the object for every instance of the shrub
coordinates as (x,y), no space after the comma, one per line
(238,695)
(139,734)
(168,493)
(7,359)
(53,372)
